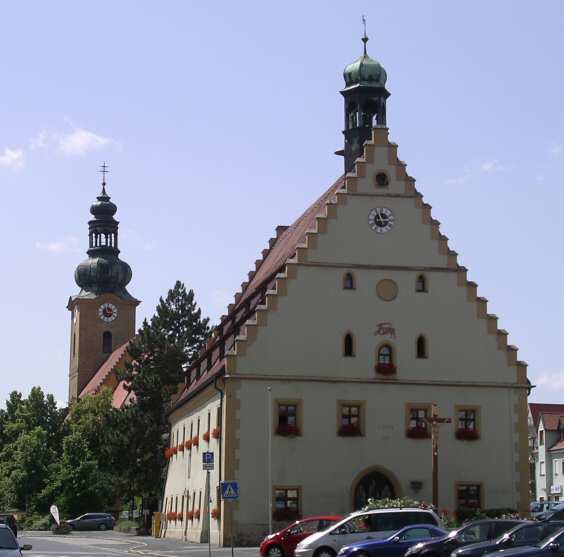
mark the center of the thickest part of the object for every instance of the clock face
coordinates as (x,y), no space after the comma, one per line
(381,219)
(107,312)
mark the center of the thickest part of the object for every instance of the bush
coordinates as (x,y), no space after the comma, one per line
(126,525)
(62,529)
(465,514)
(403,503)
(36,522)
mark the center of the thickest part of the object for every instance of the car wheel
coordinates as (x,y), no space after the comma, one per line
(274,551)
(324,552)
(360,554)
(102,527)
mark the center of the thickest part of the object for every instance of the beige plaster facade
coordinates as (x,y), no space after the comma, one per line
(293,344)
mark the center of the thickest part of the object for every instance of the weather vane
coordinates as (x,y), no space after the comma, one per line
(104,171)
(365,37)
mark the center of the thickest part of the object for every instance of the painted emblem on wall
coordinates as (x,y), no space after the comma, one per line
(385,329)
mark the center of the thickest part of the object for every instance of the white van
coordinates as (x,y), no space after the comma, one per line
(363,525)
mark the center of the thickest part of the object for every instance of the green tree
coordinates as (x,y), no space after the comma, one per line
(161,351)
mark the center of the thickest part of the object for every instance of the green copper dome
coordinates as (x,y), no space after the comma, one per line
(365,71)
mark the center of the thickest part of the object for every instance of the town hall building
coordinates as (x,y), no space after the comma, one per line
(315,389)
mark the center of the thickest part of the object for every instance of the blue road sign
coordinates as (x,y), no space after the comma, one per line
(230,491)
(207,460)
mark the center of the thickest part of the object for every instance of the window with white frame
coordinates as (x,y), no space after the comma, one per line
(542,472)
(556,467)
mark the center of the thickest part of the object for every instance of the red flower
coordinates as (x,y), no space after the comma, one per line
(181,448)
(287,430)
(197,514)
(190,515)
(195,441)
(216,513)
(207,436)
(188,444)
(467,434)
(349,430)
(417,433)
(386,369)
(167,453)
(216,432)
(179,516)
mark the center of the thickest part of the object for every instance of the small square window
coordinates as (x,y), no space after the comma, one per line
(287,420)
(286,503)
(350,419)
(467,424)
(417,425)
(469,496)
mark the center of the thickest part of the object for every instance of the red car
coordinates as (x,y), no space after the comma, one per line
(283,543)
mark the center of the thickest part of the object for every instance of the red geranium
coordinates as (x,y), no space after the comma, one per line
(216,513)
(207,436)
(417,433)
(195,441)
(287,430)
(386,369)
(216,432)
(465,434)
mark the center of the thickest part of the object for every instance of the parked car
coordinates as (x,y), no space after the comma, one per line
(92,521)
(538,507)
(10,520)
(527,533)
(556,513)
(9,546)
(553,546)
(473,532)
(283,543)
(363,525)
(394,545)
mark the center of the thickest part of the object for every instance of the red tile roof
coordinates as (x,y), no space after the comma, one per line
(552,421)
(253,293)
(540,408)
(557,446)
(104,371)
(121,396)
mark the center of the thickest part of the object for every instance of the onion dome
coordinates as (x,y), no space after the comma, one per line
(103,272)
(365,71)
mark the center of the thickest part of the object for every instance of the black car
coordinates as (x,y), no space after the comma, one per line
(92,521)
(527,533)
(556,513)
(473,532)
(10,521)
(553,546)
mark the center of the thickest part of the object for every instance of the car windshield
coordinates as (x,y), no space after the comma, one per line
(553,537)
(7,540)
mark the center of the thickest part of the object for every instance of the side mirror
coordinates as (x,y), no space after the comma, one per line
(396,539)
(554,547)
(27,547)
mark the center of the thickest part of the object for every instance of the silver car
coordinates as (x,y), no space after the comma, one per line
(9,546)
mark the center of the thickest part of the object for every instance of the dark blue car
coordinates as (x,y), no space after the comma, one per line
(553,546)
(396,545)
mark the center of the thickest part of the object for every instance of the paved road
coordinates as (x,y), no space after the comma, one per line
(113,544)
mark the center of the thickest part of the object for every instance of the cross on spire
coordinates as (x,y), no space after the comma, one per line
(104,170)
(365,37)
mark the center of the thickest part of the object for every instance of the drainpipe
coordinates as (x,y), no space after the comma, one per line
(221,426)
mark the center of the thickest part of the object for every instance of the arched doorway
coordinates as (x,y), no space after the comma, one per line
(374,484)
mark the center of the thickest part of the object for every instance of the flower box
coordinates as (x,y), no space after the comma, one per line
(467,434)
(171,515)
(385,369)
(287,430)
(418,433)
(206,436)
(195,441)
(179,517)
(197,514)
(181,448)
(216,432)
(190,515)
(174,450)
(349,430)
(188,444)
(216,513)
(286,515)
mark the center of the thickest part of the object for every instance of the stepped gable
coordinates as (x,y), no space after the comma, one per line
(281,249)
(105,370)
(537,409)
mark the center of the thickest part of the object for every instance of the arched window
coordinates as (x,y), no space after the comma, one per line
(107,342)
(421,284)
(348,345)
(385,354)
(348,282)
(421,347)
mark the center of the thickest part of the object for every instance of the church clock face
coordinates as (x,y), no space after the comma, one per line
(381,219)
(107,312)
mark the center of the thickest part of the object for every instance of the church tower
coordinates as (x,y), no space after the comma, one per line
(365,103)
(103,312)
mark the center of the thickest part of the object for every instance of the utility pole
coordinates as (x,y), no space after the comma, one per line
(434,421)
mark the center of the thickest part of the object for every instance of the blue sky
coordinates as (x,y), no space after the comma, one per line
(159,90)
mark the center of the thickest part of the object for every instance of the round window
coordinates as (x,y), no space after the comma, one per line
(382,179)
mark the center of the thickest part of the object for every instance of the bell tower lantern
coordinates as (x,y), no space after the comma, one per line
(103,312)
(365,96)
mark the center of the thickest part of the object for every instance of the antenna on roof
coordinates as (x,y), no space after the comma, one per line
(104,170)
(365,37)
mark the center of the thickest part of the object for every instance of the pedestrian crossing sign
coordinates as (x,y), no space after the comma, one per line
(230,491)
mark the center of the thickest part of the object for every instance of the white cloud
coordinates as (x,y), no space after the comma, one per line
(491,166)
(552,380)
(12,158)
(68,244)
(80,141)
(556,149)
(459,180)
(40,141)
